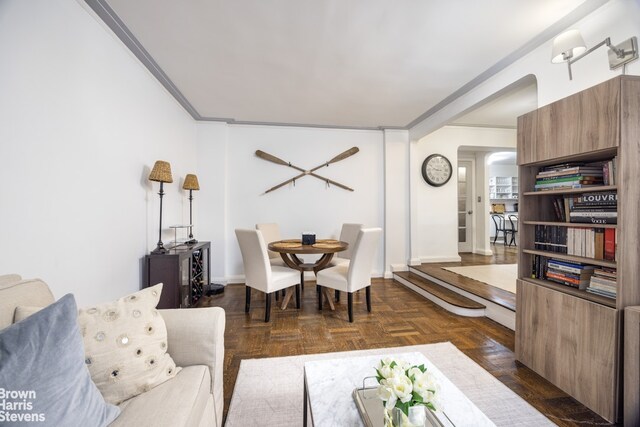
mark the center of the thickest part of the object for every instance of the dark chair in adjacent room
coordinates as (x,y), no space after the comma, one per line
(499,222)
(513,220)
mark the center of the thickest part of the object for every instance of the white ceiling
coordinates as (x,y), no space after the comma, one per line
(345,63)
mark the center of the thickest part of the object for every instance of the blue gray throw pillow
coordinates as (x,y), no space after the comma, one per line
(43,377)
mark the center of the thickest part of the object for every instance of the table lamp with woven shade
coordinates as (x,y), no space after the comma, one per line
(191,184)
(161,173)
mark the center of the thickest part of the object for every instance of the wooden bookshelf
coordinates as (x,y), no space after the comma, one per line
(563,333)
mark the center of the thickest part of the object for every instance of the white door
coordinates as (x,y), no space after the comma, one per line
(465,206)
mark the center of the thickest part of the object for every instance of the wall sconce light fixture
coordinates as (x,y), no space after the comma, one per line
(569,47)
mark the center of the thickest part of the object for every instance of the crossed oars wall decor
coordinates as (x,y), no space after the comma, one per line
(271,158)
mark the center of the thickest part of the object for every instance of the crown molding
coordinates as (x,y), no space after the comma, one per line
(113,21)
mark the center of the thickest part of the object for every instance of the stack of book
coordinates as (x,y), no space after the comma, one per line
(539,267)
(567,273)
(586,242)
(589,242)
(609,171)
(561,208)
(551,238)
(603,282)
(569,175)
(594,208)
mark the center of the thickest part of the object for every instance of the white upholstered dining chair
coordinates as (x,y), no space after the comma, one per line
(271,233)
(260,274)
(357,274)
(349,234)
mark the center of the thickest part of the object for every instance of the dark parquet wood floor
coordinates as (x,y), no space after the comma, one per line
(400,317)
(501,255)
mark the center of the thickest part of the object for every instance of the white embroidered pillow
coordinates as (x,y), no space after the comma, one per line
(126,345)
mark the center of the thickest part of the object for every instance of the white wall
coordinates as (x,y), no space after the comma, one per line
(307,206)
(618,19)
(503,170)
(81,123)
(434,221)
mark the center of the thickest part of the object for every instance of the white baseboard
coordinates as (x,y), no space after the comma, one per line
(431,259)
(399,267)
(393,268)
(415,261)
(219,280)
(235,279)
(486,252)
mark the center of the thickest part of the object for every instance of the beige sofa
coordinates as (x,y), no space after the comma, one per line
(195,342)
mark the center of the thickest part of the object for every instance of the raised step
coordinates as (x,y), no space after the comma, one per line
(486,292)
(437,290)
(497,309)
(445,298)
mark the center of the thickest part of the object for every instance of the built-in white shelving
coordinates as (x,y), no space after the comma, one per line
(503,187)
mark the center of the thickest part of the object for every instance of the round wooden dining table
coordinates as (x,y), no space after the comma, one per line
(290,249)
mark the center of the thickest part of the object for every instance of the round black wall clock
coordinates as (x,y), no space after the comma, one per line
(436,170)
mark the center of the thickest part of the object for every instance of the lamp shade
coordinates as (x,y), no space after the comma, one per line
(161,172)
(191,182)
(567,45)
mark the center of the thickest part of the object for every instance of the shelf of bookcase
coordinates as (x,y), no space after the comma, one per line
(592,261)
(572,190)
(569,224)
(599,299)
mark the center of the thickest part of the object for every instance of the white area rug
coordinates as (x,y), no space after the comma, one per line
(268,392)
(501,276)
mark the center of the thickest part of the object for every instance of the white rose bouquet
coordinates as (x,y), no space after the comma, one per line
(402,385)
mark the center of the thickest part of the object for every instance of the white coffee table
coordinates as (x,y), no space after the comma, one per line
(329,384)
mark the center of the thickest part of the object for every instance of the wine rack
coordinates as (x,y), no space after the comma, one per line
(184,271)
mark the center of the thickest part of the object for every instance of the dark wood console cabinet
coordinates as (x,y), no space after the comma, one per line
(184,271)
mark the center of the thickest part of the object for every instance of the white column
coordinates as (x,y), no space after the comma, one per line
(396,203)
(414,252)
(211,201)
(481,205)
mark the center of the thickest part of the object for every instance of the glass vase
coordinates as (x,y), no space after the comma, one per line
(396,418)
